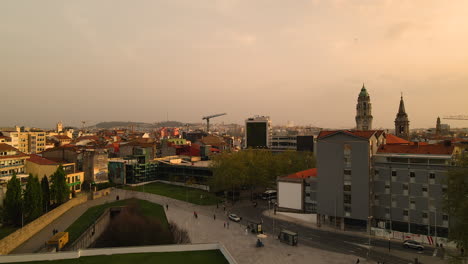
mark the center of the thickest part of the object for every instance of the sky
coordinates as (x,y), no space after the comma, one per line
(300,61)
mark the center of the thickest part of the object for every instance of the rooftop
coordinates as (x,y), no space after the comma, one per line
(303,174)
(357,133)
(392,139)
(40,160)
(434,149)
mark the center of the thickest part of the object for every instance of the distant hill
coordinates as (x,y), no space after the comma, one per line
(114,124)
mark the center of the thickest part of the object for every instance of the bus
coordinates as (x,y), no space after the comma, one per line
(268,195)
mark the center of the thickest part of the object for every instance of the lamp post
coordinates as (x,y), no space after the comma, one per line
(369,221)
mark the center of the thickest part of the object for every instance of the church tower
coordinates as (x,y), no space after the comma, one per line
(363,111)
(438,127)
(402,122)
(59,127)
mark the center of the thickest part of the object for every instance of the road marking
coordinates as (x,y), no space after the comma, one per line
(435,253)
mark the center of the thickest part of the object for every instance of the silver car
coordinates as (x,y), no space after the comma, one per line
(413,244)
(234,217)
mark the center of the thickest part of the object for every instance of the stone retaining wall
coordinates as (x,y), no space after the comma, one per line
(21,235)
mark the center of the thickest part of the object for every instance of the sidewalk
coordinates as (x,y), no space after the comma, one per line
(205,229)
(399,253)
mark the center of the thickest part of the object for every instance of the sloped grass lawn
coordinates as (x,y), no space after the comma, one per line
(7,230)
(92,214)
(181,193)
(192,257)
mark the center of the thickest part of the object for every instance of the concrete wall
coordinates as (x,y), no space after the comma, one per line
(92,233)
(115,251)
(101,193)
(40,170)
(21,235)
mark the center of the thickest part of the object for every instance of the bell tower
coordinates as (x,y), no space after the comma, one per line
(402,121)
(363,111)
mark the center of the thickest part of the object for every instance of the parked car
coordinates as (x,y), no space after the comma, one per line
(413,244)
(234,217)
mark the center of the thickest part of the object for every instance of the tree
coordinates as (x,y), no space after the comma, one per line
(45,194)
(256,168)
(13,202)
(32,199)
(59,190)
(456,202)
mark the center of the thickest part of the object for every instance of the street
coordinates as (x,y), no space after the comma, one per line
(327,240)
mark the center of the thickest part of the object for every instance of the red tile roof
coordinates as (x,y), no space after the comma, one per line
(362,134)
(433,149)
(392,139)
(303,174)
(62,137)
(40,160)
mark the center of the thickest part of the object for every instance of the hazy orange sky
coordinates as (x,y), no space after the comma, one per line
(303,61)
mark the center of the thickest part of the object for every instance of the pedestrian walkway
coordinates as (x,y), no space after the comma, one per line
(206,229)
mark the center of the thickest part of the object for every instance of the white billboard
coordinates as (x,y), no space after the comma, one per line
(290,195)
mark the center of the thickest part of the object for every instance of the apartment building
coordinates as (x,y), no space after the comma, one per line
(258,132)
(408,187)
(344,162)
(26,141)
(11,161)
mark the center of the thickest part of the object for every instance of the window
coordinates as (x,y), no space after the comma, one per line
(424,215)
(387,185)
(431,175)
(424,189)
(405,212)
(376,172)
(387,210)
(412,202)
(347,172)
(347,188)
(405,187)
(307,194)
(347,198)
(393,173)
(445,217)
(444,189)
(347,208)
(412,174)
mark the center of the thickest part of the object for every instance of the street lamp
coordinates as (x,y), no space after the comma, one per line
(369,221)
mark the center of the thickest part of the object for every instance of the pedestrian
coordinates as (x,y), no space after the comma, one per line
(224,224)
(217,205)
(167,207)
(224,208)
(214,216)
(227,225)
(357,262)
(196,215)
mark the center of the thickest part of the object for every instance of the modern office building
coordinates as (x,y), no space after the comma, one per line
(408,187)
(344,171)
(292,142)
(258,132)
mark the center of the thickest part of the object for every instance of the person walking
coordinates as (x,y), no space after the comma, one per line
(167,207)
(214,216)
(224,224)
(357,261)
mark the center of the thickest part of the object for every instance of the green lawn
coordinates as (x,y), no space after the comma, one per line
(6,230)
(193,257)
(92,214)
(190,195)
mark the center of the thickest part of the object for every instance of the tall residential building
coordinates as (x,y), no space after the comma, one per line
(26,141)
(364,111)
(409,184)
(402,122)
(344,162)
(258,132)
(11,161)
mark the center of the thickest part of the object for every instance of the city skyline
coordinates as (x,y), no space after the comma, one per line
(181,60)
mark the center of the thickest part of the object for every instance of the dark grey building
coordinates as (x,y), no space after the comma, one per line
(344,172)
(409,186)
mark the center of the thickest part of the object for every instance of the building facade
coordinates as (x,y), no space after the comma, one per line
(292,142)
(364,111)
(258,132)
(408,188)
(344,162)
(11,161)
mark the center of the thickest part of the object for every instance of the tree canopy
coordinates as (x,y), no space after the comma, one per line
(45,194)
(32,199)
(13,202)
(256,168)
(456,202)
(59,190)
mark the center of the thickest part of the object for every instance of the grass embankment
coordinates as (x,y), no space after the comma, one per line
(193,257)
(7,230)
(92,214)
(181,193)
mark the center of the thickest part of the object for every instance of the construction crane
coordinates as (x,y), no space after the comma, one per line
(208,120)
(456,117)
